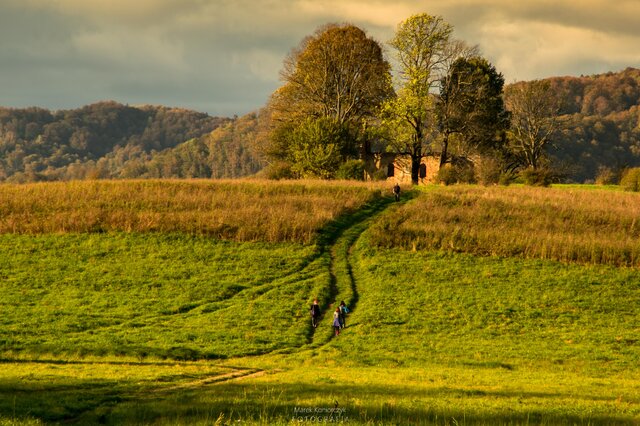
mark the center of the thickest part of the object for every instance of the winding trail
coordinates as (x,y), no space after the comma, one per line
(338,239)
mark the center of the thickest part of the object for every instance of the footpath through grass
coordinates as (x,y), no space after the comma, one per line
(522,342)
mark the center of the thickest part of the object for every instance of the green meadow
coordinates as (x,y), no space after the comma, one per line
(459,314)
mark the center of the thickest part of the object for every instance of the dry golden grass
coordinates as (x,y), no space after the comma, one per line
(567,224)
(246,210)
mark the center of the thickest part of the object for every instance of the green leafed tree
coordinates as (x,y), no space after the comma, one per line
(470,106)
(425,50)
(317,147)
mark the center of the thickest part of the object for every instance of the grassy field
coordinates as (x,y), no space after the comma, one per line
(157,295)
(177,327)
(595,226)
(242,210)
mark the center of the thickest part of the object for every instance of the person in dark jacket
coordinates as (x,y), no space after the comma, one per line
(396,191)
(315,313)
(343,314)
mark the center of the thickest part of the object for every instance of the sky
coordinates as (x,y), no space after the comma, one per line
(224,57)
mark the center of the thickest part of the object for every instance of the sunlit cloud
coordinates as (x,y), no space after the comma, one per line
(553,49)
(215,55)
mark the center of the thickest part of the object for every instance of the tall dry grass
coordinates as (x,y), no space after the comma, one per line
(246,210)
(573,225)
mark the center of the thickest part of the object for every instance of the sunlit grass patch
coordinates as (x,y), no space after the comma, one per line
(461,309)
(239,210)
(154,295)
(568,224)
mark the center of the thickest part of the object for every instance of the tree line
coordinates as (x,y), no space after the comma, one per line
(341,99)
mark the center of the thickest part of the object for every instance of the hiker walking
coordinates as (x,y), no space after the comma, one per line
(396,191)
(343,314)
(336,321)
(315,313)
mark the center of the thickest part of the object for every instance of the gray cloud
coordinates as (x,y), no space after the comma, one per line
(224,56)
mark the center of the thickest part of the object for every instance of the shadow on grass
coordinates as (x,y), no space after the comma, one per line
(171,354)
(121,402)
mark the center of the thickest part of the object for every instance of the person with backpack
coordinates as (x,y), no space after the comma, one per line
(343,314)
(336,321)
(315,313)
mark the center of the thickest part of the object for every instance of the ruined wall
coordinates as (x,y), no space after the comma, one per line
(397,168)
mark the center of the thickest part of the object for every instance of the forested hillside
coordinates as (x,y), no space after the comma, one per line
(601,120)
(94,141)
(600,137)
(232,150)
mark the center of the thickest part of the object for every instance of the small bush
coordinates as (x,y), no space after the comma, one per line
(488,171)
(280,170)
(607,176)
(506,178)
(537,177)
(379,175)
(457,173)
(351,170)
(630,180)
(447,175)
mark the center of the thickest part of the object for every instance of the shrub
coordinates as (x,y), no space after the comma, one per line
(607,176)
(447,175)
(318,146)
(630,180)
(506,178)
(279,170)
(537,177)
(488,171)
(379,175)
(351,170)
(456,173)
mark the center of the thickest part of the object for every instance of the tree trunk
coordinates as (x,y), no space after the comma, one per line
(415,168)
(445,147)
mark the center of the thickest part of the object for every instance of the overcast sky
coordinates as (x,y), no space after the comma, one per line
(224,56)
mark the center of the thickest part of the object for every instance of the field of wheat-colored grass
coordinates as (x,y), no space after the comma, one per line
(566,224)
(248,210)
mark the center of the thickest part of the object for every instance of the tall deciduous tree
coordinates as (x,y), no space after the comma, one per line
(534,121)
(338,74)
(471,106)
(424,49)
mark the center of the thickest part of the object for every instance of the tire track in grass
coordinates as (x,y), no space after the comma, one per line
(236,374)
(109,401)
(340,238)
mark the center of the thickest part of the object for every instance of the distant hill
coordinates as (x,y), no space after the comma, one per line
(230,151)
(602,116)
(93,141)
